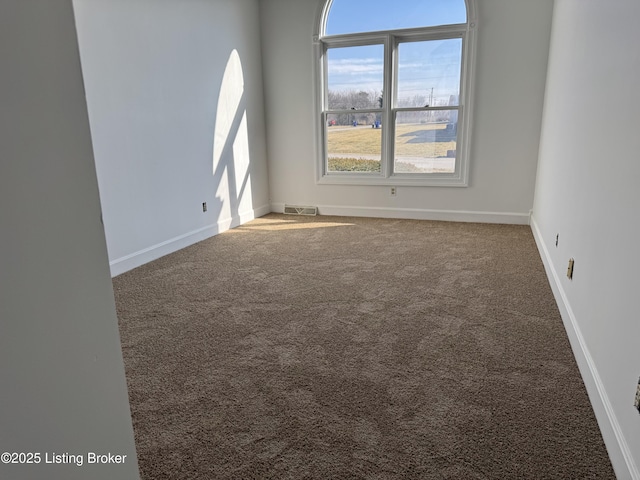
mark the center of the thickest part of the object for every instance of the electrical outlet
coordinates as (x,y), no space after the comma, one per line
(204,206)
(636,403)
(570,269)
(393,191)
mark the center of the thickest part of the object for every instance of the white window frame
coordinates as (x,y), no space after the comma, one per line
(391,39)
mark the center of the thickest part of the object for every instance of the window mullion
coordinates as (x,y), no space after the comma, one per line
(325,78)
(427,109)
(325,108)
(389,103)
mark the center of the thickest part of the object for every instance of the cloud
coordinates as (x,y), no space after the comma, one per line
(415,76)
(355,66)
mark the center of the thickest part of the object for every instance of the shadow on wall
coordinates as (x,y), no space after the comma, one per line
(231,158)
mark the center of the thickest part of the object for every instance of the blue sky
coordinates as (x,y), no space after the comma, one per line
(422,65)
(351,16)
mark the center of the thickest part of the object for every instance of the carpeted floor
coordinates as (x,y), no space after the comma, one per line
(354,348)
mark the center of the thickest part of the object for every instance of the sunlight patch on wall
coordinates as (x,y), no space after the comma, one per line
(241,156)
(231,153)
(229,100)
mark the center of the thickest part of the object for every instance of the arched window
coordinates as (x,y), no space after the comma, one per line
(394,91)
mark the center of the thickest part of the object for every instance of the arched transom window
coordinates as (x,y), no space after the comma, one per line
(394,91)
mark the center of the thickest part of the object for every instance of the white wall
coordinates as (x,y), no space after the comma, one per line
(587,192)
(62,383)
(153,73)
(513,41)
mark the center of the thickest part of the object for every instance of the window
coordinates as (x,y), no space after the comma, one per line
(394,91)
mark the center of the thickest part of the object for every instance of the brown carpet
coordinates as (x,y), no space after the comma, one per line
(354,348)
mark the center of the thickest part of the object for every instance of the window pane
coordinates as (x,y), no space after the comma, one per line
(357,16)
(425,142)
(354,142)
(355,77)
(429,73)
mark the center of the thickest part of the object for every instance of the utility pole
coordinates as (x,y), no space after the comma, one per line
(431,104)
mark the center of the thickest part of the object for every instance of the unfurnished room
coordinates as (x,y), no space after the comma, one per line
(319,239)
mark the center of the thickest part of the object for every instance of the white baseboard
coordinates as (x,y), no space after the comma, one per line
(617,447)
(154,252)
(419,214)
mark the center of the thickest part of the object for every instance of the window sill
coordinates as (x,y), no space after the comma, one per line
(443,180)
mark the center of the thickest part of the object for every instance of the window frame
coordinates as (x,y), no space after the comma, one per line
(391,39)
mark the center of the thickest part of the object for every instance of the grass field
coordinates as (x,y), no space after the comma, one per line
(358,149)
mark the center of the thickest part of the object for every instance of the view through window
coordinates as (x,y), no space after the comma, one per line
(393,89)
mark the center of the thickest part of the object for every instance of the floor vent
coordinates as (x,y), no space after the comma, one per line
(298,210)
